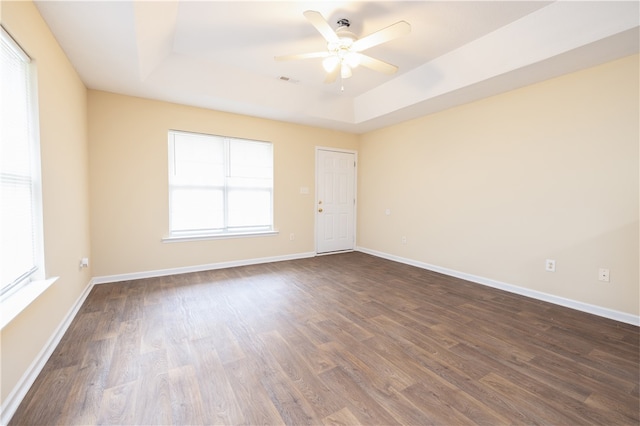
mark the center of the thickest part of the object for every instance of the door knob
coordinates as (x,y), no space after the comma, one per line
(320,210)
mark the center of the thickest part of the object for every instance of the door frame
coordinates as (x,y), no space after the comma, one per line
(315,201)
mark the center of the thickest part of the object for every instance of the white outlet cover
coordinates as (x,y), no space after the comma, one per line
(603,274)
(550,265)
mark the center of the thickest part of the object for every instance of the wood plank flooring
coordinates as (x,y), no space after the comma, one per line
(342,339)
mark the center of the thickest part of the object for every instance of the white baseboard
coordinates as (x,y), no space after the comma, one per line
(13,400)
(198,268)
(569,303)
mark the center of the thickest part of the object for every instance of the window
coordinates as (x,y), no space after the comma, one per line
(219,186)
(21,238)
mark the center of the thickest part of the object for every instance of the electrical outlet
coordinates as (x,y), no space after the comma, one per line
(603,275)
(292,236)
(550,265)
(404,240)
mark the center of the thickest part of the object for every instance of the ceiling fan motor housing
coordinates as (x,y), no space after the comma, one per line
(340,50)
(345,38)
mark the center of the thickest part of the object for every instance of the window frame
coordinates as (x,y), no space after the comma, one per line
(225,231)
(23,290)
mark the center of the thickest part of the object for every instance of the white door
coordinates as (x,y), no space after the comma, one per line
(335,200)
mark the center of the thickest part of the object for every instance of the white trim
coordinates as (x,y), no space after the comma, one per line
(198,268)
(546,297)
(328,253)
(17,394)
(13,400)
(15,46)
(221,236)
(27,290)
(21,298)
(355,196)
(328,148)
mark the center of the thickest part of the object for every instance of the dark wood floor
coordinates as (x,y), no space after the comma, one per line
(342,339)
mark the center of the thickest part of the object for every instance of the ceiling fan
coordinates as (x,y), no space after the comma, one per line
(344,48)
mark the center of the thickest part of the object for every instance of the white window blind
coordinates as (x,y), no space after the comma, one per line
(20,200)
(219,185)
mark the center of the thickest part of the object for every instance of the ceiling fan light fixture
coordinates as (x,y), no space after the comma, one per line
(345,71)
(352,59)
(330,63)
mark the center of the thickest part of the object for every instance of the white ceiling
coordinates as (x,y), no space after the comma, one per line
(220,54)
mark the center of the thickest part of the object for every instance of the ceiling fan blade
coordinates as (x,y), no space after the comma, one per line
(332,76)
(381,36)
(302,56)
(377,64)
(321,24)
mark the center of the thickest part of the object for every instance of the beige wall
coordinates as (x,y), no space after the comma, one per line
(495,187)
(490,188)
(65,175)
(129,194)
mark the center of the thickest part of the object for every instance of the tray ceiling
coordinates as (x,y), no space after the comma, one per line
(220,54)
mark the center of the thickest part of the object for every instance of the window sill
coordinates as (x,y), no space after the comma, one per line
(203,237)
(17,302)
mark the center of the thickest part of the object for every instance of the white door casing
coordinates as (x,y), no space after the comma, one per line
(335,200)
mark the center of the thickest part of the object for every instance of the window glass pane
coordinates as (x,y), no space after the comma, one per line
(235,182)
(249,208)
(250,159)
(17,231)
(20,231)
(197,209)
(15,149)
(198,160)
(219,184)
